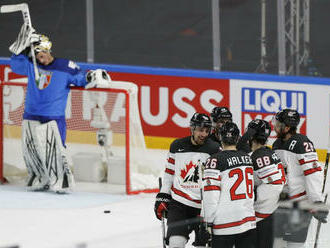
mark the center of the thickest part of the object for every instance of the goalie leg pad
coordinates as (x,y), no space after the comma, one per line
(54,158)
(37,176)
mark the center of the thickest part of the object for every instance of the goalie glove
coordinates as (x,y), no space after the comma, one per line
(161,205)
(98,78)
(25,37)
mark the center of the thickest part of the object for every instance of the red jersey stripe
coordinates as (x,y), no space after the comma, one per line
(298,195)
(169,171)
(184,195)
(171,160)
(211,187)
(302,161)
(277,182)
(260,215)
(213,178)
(236,223)
(275,172)
(310,171)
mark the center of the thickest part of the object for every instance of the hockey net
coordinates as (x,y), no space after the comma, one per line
(112,113)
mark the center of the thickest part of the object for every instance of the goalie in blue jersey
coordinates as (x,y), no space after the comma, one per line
(44,125)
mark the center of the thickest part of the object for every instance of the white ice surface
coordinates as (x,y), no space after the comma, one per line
(39,219)
(77,220)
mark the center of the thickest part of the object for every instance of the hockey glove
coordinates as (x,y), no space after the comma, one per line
(243,142)
(203,234)
(320,215)
(161,205)
(25,38)
(98,78)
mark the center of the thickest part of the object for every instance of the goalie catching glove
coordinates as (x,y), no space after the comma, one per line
(161,205)
(98,78)
(26,37)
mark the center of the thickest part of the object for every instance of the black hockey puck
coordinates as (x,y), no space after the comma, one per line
(107,211)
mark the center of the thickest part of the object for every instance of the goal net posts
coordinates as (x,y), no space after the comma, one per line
(105,141)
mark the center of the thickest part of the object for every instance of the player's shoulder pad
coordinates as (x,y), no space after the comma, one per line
(276,144)
(265,152)
(232,159)
(212,146)
(179,144)
(299,144)
(67,66)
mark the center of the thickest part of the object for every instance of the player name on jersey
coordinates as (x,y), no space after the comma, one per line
(233,161)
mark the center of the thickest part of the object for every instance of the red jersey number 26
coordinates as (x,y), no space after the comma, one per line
(242,176)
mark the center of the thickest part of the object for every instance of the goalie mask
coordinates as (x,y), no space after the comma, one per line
(44,45)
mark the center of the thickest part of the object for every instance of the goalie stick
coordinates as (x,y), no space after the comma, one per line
(24,8)
(326,165)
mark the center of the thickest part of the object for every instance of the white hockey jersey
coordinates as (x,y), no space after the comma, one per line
(228,196)
(181,172)
(269,178)
(304,172)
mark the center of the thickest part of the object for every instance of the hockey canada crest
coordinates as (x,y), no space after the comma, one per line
(190,173)
(44,80)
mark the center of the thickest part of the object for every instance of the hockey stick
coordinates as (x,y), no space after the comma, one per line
(326,165)
(163,218)
(200,182)
(24,8)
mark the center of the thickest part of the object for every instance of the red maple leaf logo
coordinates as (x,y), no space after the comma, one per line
(184,172)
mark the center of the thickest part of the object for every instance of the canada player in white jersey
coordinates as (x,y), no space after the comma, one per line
(228,196)
(304,172)
(269,179)
(219,116)
(179,198)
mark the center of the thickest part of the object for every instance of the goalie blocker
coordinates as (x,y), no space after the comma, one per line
(45,157)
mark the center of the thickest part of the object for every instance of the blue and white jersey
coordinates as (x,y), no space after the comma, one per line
(49,97)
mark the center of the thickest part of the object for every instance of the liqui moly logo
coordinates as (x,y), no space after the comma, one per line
(265,103)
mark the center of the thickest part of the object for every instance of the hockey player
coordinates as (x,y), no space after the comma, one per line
(269,178)
(228,193)
(219,115)
(304,172)
(179,198)
(44,126)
